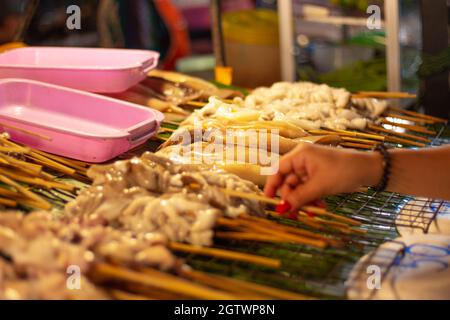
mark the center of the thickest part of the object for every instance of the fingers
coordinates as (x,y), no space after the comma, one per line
(272,185)
(290,172)
(301,195)
(292,180)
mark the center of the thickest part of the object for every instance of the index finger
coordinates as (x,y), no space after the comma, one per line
(272,184)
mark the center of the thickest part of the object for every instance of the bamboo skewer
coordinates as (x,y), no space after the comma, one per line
(418,115)
(122,295)
(160,280)
(410,118)
(221,284)
(358,140)
(225,254)
(384,95)
(8,202)
(51,164)
(242,286)
(27,193)
(408,126)
(270,225)
(288,237)
(195,104)
(325,213)
(69,162)
(346,133)
(14,149)
(188,288)
(173,123)
(399,134)
(315,210)
(37,181)
(357,145)
(248,236)
(405,141)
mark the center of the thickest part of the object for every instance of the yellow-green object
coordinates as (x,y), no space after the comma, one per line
(11,46)
(251,47)
(253,27)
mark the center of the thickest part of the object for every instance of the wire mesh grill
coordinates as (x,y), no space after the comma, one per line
(323,273)
(320,273)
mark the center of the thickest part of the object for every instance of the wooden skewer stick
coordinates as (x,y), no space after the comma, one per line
(409,118)
(160,280)
(225,254)
(418,115)
(288,237)
(268,225)
(325,213)
(21,199)
(315,210)
(200,290)
(14,149)
(122,295)
(345,133)
(358,140)
(37,181)
(41,159)
(173,123)
(408,126)
(399,134)
(51,164)
(357,145)
(214,282)
(405,141)
(69,162)
(196,104)
(242,286)
(32,168)
(384,95)
(28,132)
(248,236)
(284,228)
(25,192)
(8,202)
(163,130)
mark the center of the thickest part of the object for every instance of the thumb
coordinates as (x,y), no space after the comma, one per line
(302,195)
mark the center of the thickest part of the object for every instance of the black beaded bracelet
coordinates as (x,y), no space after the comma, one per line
(381,148)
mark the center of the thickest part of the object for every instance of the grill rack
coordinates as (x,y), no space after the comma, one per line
(323,273)
(318,273)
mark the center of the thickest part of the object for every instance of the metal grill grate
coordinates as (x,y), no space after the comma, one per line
(322,273)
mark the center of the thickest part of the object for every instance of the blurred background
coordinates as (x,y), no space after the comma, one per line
(331,42)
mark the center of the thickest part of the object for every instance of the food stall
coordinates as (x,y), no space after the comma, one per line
(120,180)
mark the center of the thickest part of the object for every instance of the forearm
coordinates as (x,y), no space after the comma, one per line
(423,172)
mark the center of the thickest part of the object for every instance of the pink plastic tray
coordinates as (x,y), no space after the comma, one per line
(73,123)
(89,69)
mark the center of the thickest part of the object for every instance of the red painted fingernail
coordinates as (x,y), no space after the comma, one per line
(293,216)
(283,207)
(320,204)
(310,214)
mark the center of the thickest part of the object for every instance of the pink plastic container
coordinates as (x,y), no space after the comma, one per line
(89,69)
(73,123)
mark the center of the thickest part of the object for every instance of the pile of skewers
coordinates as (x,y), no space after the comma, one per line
(37,251)
(30,178)
(363,119)
(126,229)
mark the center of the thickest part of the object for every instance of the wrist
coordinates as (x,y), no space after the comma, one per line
(373,169)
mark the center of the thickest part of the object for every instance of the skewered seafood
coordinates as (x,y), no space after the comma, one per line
(153,194)
(38,249)
(302,104)
(313,106)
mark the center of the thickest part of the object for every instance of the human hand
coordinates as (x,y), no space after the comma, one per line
(310,172)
